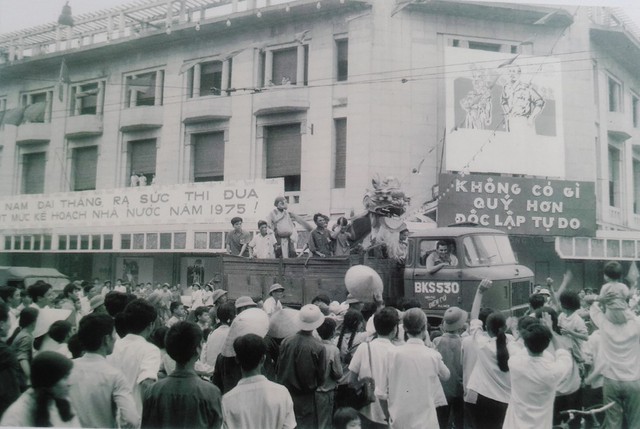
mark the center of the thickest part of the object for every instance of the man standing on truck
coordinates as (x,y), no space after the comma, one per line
(237,239)
(441,258)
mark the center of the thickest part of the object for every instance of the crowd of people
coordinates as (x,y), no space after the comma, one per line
(100,356)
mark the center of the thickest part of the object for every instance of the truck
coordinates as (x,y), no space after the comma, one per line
(23,277)
(480,252)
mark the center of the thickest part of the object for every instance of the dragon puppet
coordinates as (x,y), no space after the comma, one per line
(380,225)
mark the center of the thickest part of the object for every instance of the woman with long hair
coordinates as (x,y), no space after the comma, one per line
(490,377)
(351,335)
(46,403)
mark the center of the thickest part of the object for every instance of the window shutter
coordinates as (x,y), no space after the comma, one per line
(85,164)
(208,157)
(143,156)
(340,171)
(283,150)
(33,172)
(285,65)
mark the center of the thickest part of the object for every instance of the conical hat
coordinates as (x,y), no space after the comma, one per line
(250,321)
(363,283)
(283,323)
(45,319)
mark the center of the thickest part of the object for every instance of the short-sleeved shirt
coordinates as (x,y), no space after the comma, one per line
(139,360)
(258,403)
(434,259)
(235,240)
(262,246)
(95,386)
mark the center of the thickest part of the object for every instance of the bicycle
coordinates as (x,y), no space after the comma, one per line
(593,412)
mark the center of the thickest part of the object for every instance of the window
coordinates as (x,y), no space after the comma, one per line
(340,156)
(288,66)
(636,184)
(635,111)
(208,157)
(85,164)
(487,250)
(614,176)
(209,78)
(33,167)
(615,95)
(37,107)
(482,46)
(283,154)
(142,158)
(342,51)
(87,99)
(144,89)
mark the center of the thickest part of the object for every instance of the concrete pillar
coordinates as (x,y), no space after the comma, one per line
(197,72)
(268,67)
(300,66)
(100,101)
(225,84)
(47,109)
(159,87)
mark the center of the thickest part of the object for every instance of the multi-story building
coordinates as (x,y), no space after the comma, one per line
(221,105)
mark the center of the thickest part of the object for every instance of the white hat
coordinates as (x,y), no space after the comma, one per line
(46,317)
(274,287)
(283,323)
(250,321)
(245,301)
(310,317)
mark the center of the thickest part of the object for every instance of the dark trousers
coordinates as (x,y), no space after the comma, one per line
(469,416)
(490,413)
(304,407)
(451,415)
(572,401)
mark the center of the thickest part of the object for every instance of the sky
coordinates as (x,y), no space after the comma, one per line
(20,14)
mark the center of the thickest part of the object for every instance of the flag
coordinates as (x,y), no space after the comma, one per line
(633,274)
(63,79)
(508,62)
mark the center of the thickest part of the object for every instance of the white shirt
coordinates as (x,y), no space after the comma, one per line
(469,357)
(262,246)
(139,360)
(380,350)
(620,346)
(215,343)
(534,380)
(487,379)
(258,403)
(411,384)
(95,387)
(270,305)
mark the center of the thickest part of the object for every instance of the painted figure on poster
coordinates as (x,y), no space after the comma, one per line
(477,102)
(521,102)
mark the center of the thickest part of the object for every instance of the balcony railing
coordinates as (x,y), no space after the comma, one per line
(132,20)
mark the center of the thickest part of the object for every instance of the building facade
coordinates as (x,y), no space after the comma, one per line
(159,102)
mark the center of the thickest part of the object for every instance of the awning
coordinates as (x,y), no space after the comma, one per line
(606,245)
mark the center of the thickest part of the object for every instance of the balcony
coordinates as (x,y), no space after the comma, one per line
(619,123)
(209,108)
(83,126)
(281,99)
(141,118)
(34,132)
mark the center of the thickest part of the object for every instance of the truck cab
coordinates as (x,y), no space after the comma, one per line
(470,254)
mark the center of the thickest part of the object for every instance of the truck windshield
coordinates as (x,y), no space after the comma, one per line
(482,250)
